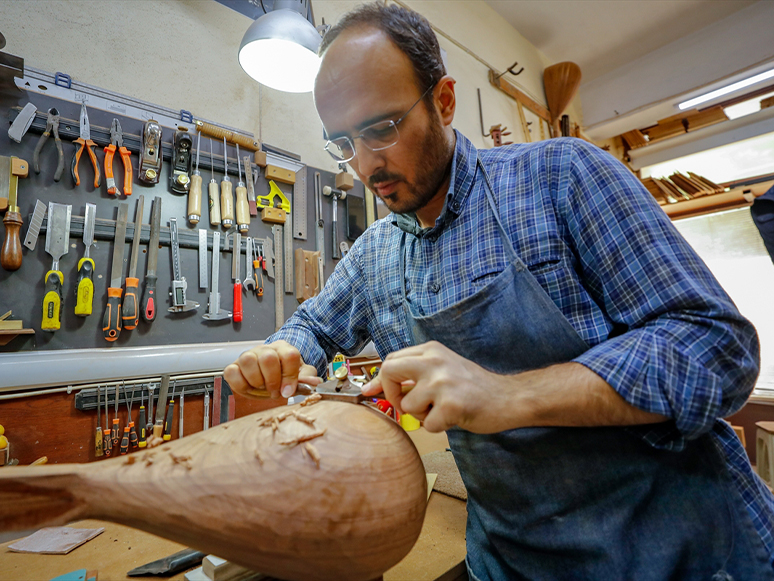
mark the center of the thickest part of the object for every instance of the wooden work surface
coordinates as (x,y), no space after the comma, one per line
(438,554)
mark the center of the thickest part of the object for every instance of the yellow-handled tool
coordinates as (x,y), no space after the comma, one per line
(57,243)
(85,289)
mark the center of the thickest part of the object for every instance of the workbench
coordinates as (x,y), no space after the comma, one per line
(438,554)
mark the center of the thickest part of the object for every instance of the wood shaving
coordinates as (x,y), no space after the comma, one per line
(129,460)
(313,453)
(185,461)
(283,415)
(304,418)
(303,438)
(258,457)
(274,424)
(312,399)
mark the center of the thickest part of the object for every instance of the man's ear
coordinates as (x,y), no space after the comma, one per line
(444,99)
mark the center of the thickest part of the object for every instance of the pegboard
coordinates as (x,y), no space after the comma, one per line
(22,290)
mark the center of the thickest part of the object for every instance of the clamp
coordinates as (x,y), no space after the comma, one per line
(52,124)
(117,142)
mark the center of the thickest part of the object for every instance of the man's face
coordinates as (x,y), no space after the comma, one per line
(364,78)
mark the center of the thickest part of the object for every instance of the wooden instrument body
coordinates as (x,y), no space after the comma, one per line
(239,492)
(561,82)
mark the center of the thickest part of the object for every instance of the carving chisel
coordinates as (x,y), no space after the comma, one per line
(85,290)
(161,404)
(226,197)
(195,192)
(170,417)
(111,322)
(98,436)
(212,198)
(130,314)
(242,208)
(149,298)
(57,244)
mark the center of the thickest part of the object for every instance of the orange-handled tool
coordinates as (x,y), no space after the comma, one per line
(111,322)
(130,308)
(117,142)
(85,142)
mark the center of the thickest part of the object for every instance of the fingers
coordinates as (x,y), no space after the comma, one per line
(268,370)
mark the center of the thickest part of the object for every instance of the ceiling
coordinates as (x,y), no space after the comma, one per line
(603,35)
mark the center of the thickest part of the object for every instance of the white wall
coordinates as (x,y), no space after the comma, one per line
(182,54)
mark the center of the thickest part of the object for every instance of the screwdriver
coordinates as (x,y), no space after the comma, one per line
(115,433)
(170,416)
(107,446)
(149,425)
(98,437)
(133,441)
(242,208)
(195,192)
(226,197)
(142,442)
(180,422)
(213,203)
(125,440)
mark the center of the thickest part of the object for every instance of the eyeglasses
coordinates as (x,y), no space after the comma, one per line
(376,137)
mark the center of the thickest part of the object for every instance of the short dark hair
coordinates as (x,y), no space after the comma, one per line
(409,30)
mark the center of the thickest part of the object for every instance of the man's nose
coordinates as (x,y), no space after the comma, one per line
(368,161)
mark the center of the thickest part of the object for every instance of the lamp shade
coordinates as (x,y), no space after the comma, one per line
(279,50)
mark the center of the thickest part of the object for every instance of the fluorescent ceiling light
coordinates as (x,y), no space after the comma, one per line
(690,103)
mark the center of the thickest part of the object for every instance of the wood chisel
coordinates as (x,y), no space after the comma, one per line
(130,313)
(11,169)
(149,296)
(250,178)
(214,312)
(195,193)
(111,321)
(98,435)
(33,230)
(212,198)
(236,253)
(170,417)
(242,209)
(180,303)
(57,244)
(226,195)
(84,292)
(158,426)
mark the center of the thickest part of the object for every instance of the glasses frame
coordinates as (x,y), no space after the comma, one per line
(351,140)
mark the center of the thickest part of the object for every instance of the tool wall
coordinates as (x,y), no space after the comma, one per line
(22,290)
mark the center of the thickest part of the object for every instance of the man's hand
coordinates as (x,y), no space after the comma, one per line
(448,390)
(272,370)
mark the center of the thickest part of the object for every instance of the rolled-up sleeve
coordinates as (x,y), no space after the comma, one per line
(680,347)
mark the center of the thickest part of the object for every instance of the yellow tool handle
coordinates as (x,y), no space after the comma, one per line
(226,203)
(219,133)
(52,301)
(214,205)
(195,199)
(85,292)
(242,209)
(98,443)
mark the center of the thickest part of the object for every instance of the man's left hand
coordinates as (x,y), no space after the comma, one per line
(448,390)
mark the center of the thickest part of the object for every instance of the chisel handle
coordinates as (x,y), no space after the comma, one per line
(195,199)
(149,298)
(226,203)
(125,442)
(11,253)
(85,290)
(115,432)
(142,442)
(158,429)
(111,322)
(219,133)
(108,444)
(242,209)
(52,301)
(237,302)
(130,313)
(133,440)
(98,450)
(213,204)
(168,423)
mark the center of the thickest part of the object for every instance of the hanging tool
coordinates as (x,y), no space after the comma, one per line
(115,430)
(259,265)
(11,169)
(33,230)
(279,303)
(242,209)
(220,133)
(250,179)
(57,245)
(107,443)
(282,216)
(307,284)
(158,426)
(195,192)
(299,205)
(117,143)
(226,197)
(142,442)
(22,122)
(98,436)
(203,258)
(214,312)
(149,425)
(84,293)
(212,201)
(236,254)
(179,285)
(125,439)
(52,125)
(149,296)
(180,421)
(249,282)
(150,154)
(86,143)
(336,195)
(179,178)
(319,237)
(111,320)
(130,313)
(206,425)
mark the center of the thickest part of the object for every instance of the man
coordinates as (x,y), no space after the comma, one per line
(548,316)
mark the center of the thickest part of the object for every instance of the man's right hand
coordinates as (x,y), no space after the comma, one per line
(272,370)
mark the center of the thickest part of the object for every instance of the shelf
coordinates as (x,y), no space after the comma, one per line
(6,336)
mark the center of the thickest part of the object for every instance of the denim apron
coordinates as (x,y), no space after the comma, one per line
(579,503)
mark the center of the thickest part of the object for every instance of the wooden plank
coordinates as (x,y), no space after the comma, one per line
(634,139)
(706,117)
(519,96)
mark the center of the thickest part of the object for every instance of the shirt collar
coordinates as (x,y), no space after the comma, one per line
(463,173)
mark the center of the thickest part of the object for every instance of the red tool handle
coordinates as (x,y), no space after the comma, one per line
(238,302)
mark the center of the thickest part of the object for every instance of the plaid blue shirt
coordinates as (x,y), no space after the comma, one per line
(662,331)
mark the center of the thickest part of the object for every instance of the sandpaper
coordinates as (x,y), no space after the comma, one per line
(449,481)
(54,540)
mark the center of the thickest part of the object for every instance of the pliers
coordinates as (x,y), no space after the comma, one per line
(117,142)
(52,124)
(85,142)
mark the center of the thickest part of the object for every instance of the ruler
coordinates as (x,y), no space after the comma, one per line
(35,223)
(288,254)
(319,228)
(203,258)
(279,298)
(299,205)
